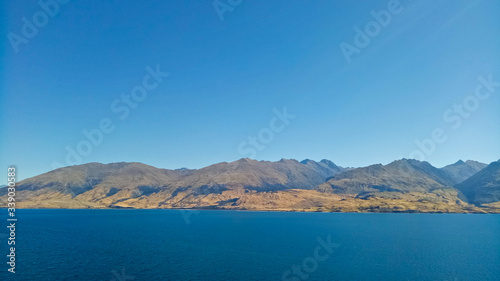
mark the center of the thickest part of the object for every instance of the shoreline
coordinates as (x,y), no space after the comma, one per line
(274,211)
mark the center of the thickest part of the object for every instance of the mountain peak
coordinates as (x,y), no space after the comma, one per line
(305,161)
(288,160)
(245,160)
(328,163)
(460,170)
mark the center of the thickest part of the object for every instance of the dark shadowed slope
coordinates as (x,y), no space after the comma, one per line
(461,170)
(484,186)
(399,176)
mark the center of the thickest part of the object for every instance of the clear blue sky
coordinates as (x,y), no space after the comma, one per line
(226,77)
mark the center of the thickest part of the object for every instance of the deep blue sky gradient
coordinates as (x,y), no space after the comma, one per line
(226,77)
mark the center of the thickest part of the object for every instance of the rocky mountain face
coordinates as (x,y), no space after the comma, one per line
(96,184)
(461,170)
(399,176)
(262,175)
(484,186)
(401,186)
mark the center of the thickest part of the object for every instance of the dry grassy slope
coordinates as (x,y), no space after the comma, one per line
(108,184)
(95,180)
(402,186)
(288,200)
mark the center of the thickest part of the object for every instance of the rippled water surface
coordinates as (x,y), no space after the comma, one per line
(238,245)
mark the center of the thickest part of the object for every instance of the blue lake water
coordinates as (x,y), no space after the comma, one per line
(238,245)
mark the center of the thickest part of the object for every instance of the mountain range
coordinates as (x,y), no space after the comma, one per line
(404,185)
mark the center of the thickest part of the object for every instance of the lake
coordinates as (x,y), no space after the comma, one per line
(241,245)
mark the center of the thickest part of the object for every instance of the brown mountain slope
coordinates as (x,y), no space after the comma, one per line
(286,185)
(96,184)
